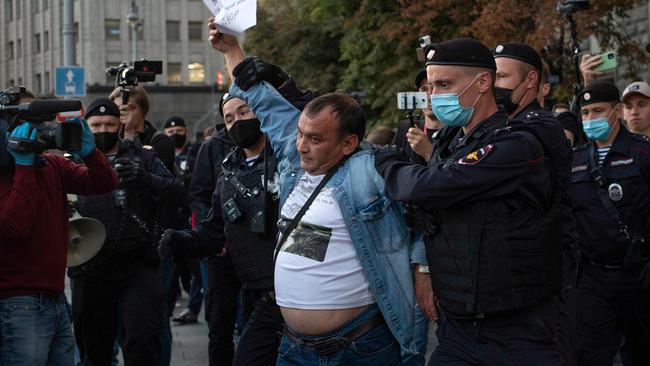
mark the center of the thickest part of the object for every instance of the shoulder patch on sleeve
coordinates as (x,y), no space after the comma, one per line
(147,147)
(475,157)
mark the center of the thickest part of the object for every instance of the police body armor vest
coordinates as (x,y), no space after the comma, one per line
(492,255)
(122,232)
(250,252)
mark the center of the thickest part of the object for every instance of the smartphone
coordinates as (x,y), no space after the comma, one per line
(609,61)
(412,100)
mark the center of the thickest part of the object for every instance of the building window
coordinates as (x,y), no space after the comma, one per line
(18,9)
(20,82)
(196,72)
(10,50)
(9,10)
(12,82)
(173,30)
(46,41)
(195,30)
(46,4)
(19,48)
(174,75)
(76,32)
(36,6)
(47,82)
(39,83)
(37,43)
(112,28)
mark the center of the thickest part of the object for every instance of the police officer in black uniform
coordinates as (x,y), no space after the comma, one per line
(188,270)
(243,220)
(490,218)
(610,195)
(123,278)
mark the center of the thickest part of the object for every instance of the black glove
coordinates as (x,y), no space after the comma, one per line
(253,70)
(386,155)
(128,171)
(644,278)
(174,243)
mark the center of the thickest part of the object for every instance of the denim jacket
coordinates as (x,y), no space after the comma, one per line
(385,245)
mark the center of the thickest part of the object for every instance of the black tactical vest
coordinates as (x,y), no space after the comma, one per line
(251,252)
(492,255)
(123,232)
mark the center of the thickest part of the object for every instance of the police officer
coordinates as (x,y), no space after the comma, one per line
(492,256)
(610,195)
(123,277)
(185,151)
(243,217)
(188,269)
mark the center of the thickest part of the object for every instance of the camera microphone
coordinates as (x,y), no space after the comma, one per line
(39,107)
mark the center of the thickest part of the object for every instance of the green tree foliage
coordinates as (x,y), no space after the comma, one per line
(369,45)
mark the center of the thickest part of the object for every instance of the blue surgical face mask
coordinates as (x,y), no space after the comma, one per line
(448,110)
(597,129)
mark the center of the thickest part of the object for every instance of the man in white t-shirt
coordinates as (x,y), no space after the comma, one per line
(342,277)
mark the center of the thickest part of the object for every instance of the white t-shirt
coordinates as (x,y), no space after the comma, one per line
(318,266)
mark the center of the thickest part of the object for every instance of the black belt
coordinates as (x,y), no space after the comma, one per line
(331,345)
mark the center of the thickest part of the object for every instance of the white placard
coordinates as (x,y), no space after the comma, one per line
(233,16)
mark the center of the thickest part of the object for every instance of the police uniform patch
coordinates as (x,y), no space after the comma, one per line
(148,147)
(615,192)
(579,168)
(475,157)
(499,49)
(430,54)
(620,162)
(102,109)
(587,96)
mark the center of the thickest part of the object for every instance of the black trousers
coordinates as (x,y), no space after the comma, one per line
(608,304)
(523,337)
(137,299)
(259,342)
(221,311)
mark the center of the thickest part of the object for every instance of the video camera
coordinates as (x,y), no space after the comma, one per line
(127,77)
(40,114)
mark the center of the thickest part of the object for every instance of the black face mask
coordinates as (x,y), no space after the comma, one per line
(105,141)
(503,97)
(179,140)
(245,132)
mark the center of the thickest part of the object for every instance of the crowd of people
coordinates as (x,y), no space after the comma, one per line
(520,229)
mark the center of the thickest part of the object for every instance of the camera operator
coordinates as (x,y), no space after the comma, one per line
(133,117)
(34,326)
(244,213)
(416,140)
(123,278)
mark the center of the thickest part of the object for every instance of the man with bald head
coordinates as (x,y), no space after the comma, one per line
(488,214)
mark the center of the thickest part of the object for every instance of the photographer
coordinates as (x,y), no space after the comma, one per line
(34,326)
(124,276)
(133,118)
(244,213)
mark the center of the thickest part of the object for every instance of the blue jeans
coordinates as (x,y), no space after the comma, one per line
(35,331)
(421,339)
(375,348)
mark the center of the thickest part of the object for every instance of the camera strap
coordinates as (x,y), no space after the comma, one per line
(296,219)
(231,177)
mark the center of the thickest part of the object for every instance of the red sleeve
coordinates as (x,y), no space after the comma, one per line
(95,177)
(18,207)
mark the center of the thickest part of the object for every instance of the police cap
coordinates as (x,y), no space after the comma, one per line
(521,52)
(102,107)
(460,52)
(226,97)
(598,92)
(174,122)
